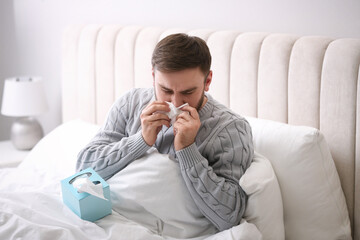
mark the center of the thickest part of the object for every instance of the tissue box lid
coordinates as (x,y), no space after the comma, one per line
(92,175)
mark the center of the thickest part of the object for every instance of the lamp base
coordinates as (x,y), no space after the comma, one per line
(26,132)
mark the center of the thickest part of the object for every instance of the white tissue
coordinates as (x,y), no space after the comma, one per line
(86,185)
(174,111)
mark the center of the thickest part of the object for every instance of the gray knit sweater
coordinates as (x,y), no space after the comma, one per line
(211,167)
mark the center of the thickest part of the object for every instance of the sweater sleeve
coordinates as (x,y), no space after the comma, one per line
(215,189)
(113,147)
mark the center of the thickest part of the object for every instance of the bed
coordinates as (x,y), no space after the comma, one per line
(299,94)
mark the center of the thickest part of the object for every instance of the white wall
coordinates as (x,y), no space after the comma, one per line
(38,25)
(8,57)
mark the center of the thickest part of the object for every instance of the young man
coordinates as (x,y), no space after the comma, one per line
(212,144)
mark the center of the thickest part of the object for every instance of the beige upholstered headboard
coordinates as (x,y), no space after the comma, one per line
(309,81)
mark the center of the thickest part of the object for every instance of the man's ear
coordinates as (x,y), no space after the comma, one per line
(208,81)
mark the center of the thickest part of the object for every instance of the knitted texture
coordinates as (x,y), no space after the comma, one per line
(211,167)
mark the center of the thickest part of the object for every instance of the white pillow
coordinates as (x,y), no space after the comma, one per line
(57,152)
(314,203)
(151,191)
(264,206)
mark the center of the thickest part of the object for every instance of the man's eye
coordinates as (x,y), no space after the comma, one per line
(167,91)
(188,93)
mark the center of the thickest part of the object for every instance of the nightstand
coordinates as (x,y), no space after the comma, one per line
(10,156)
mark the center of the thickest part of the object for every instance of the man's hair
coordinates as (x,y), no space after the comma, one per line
(180,51)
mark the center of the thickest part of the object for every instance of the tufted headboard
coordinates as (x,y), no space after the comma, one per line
(310,81)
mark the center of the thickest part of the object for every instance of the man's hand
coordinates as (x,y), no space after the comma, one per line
(186,127)
(152,121)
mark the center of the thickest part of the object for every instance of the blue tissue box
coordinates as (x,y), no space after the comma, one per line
(86,206)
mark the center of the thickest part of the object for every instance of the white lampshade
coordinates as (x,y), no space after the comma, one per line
(23,96)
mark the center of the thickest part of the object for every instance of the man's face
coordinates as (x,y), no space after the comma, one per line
(186,86)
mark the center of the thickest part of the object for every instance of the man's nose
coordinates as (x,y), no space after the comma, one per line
(177,100)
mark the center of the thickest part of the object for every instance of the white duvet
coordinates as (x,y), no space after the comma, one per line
(31,204)
(31,207)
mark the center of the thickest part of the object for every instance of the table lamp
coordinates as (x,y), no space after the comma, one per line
(24,97)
